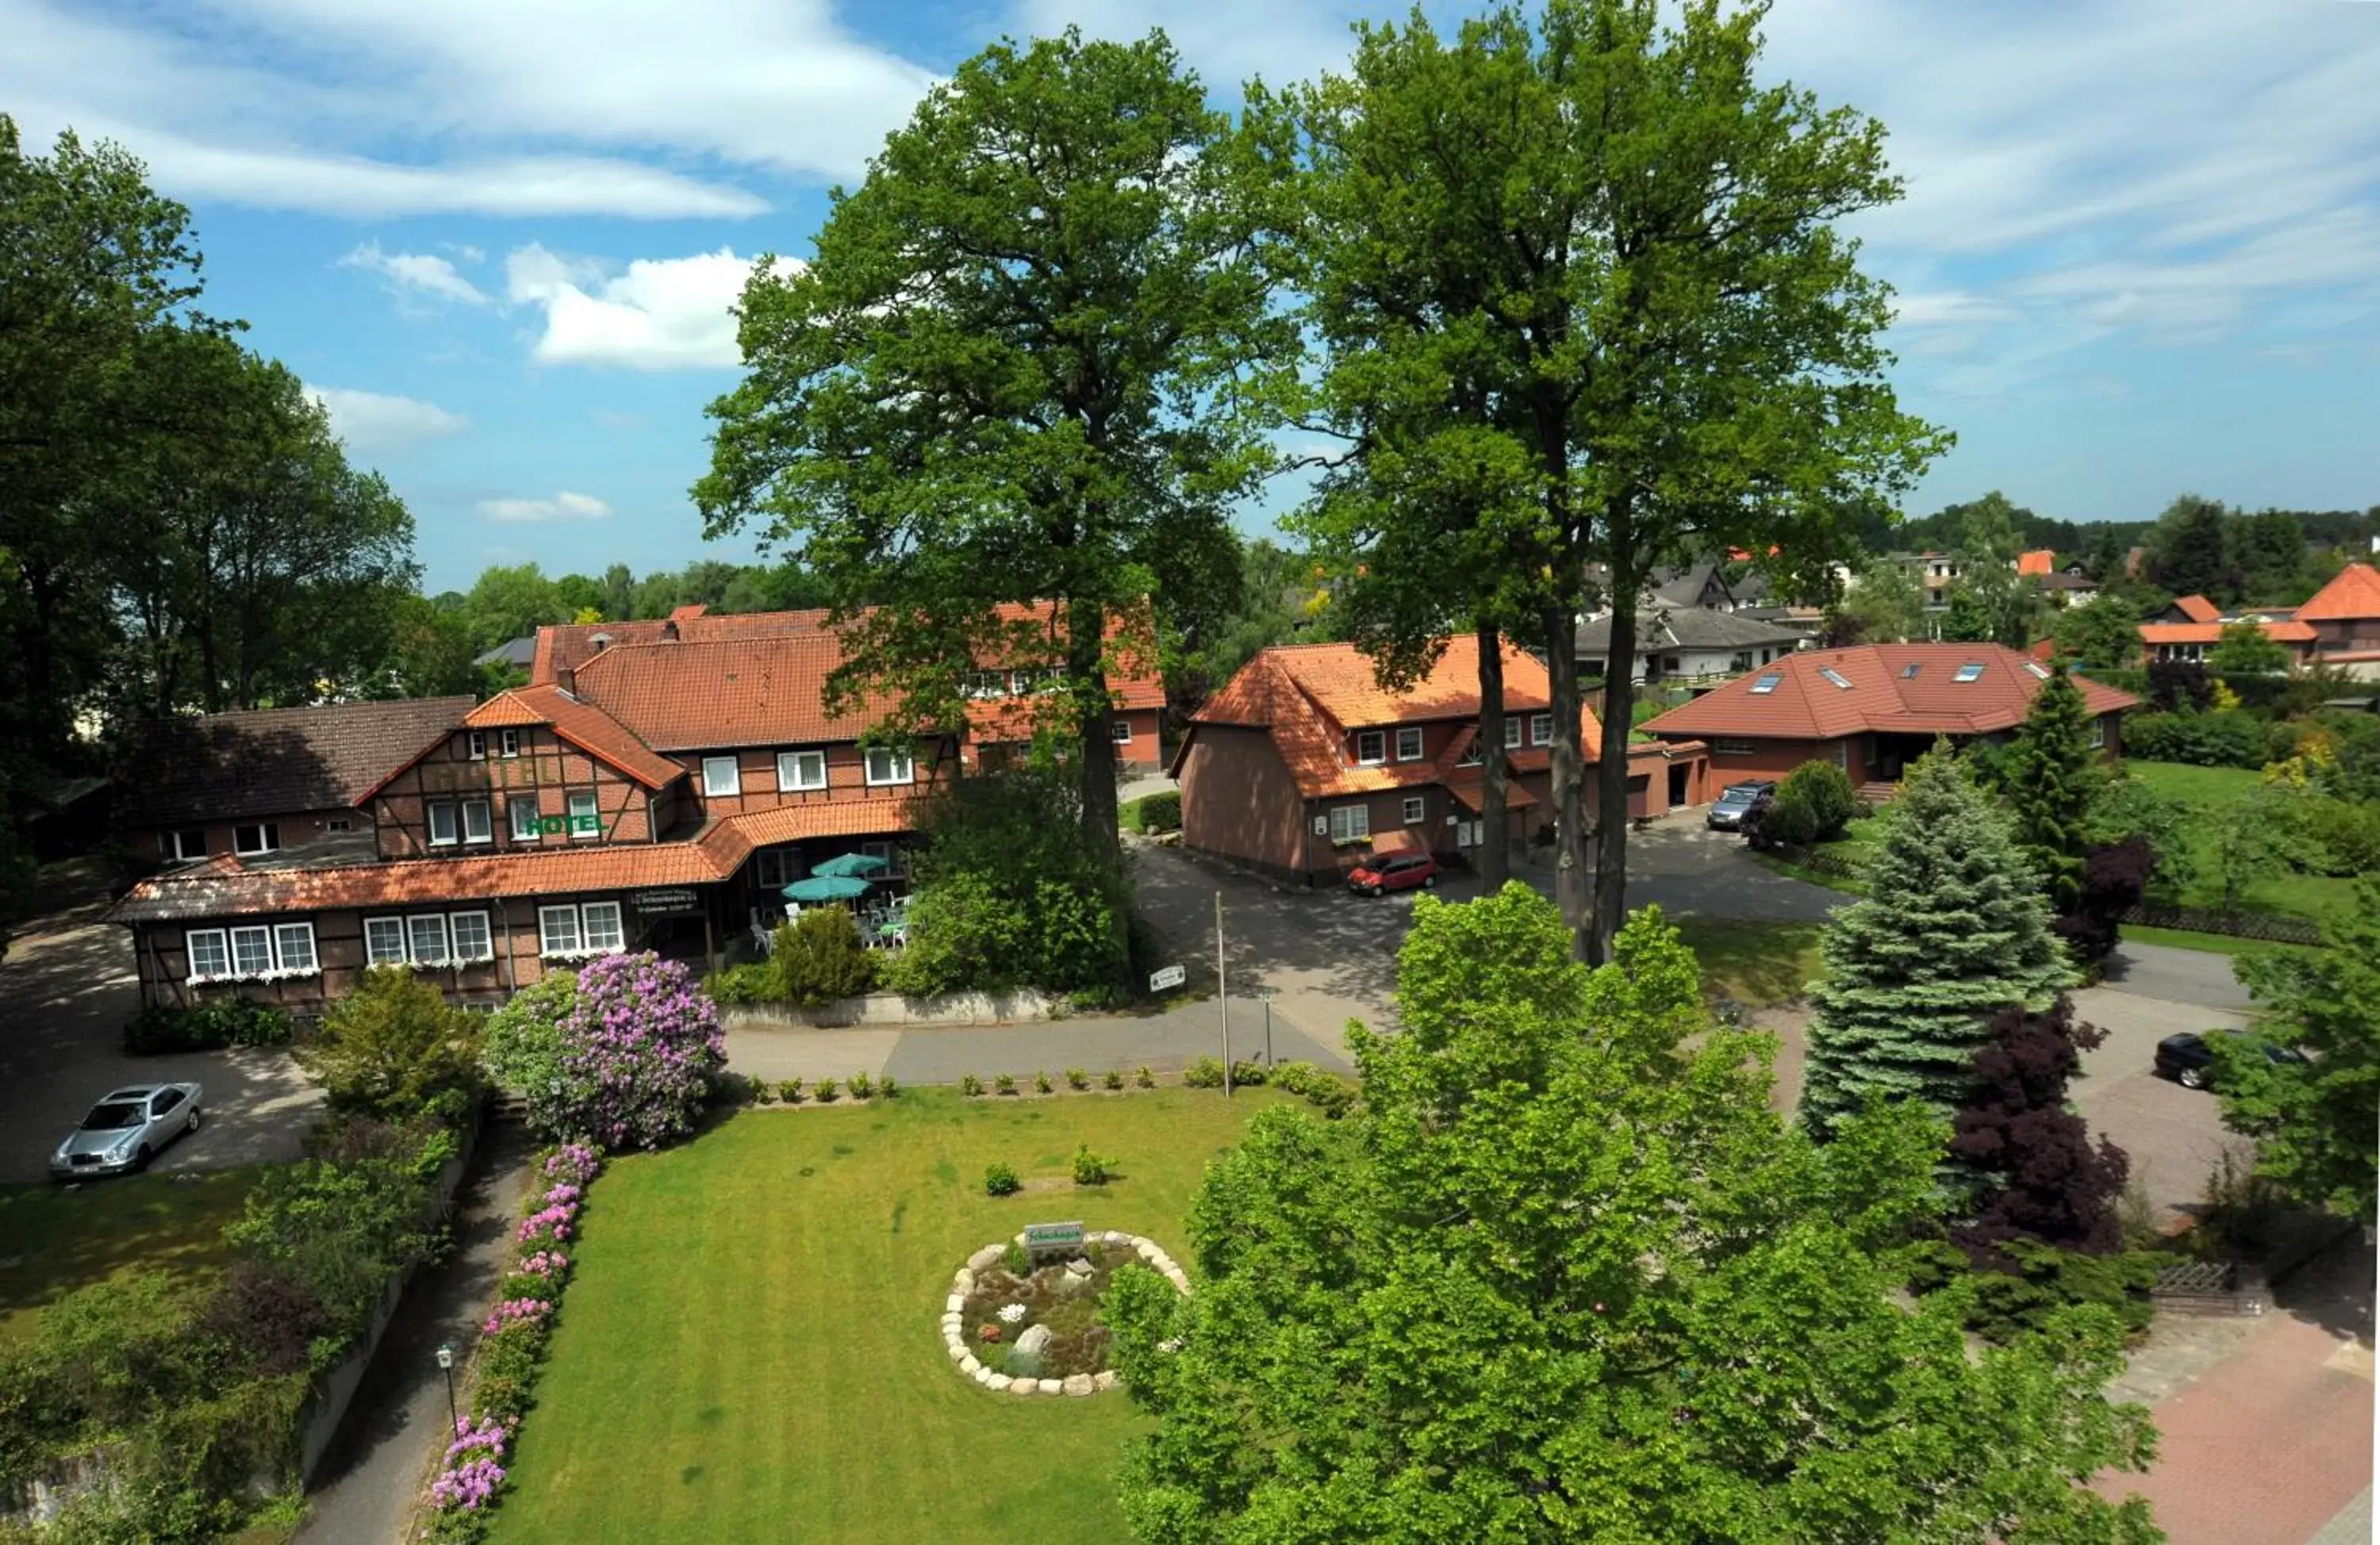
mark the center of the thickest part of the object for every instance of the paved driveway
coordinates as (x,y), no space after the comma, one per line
(2173,1136)
(66,989)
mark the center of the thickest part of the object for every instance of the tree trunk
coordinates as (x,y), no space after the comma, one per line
(1087,681)
(1495,830)
(1571,889)
(1611,777)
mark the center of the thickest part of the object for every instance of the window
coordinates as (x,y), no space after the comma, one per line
(426,934)
(1742,661)
(1767,683)
(441,813)
(476,745)
(895,857)
(1120,730)
(209,958)
(888,766)
(557,930)
(1468,833)
(721,776)
(1731,748)
(508,743)
(478,824)
(799,770)
(252,951)
(1371,747)
(293,946)
(772,867)
(1909,671)
(1541,728)
(384,941)
(264,839)
(2099,731)
(584,822)
(1409,745)
(2040,672)
(1971,671)
(1474,755)
(1350,823)
(187,844)
(1835,678)
(522,808)
(339,823)
(472,940)
(1414,810)
(601,921)
(1843,755)
(1512,732)
(164,1101)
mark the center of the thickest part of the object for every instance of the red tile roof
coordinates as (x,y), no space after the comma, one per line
(2198,609)
(2037,561)
(1882,695)
(2354,596)
(590,728)
(762,690)
(2212,632)
(224,888)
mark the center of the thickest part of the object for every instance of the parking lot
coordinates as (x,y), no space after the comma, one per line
(66,990)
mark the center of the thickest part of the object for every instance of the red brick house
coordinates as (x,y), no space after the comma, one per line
(2344,617)
(1872,709)
(2339,624)
(1302,764)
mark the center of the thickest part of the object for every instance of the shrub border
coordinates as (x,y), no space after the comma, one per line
(1076,1385)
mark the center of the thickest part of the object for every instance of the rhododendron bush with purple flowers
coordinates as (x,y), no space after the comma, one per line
(621,1058)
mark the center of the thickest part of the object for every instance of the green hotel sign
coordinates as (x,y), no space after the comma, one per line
(577,826)
(1050,1238)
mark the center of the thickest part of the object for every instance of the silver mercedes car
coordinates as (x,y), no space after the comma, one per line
(127,1130)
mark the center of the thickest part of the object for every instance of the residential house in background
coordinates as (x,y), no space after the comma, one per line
(1303,764)
(2190,627)
(1871,710)
(2344,617)
(1689,644)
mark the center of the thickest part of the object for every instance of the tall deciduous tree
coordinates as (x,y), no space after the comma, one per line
(1955,928)
(1882,605)
(2190,551)
(1563,1275)
(1006,377)
(2102,634)
(1634,279)
(2313,1120)
(2247,648)
(2053,779)
(1991,603)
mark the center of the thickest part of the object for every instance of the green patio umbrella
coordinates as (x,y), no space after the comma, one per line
(825,888)
(852,866)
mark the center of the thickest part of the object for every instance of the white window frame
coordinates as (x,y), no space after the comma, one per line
(1843,755)
(256,935)
(587,915)
(572,813)
(1541,728)
(508,743)
(268,834)
(2099,730)
(1371,747)
(1417,810)
(222,950)
(414,925)
(1120,730)
(1409,735)
(1470,832)
(1512,732)
(715,787)
(901,767)
(895,857)
(485,829)
(1474,754)
(430,811)
(522,811)
(284,934)
(475,745)
(180,853)
(550,941)
(791,765)
(379,953)
(1351,823)
(484,951)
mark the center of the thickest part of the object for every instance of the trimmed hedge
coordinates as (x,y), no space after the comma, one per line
(232,1021)
(1162,811)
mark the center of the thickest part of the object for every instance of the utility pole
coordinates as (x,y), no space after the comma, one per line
(1223,994)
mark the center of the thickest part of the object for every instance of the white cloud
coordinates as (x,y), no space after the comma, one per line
(382,107)
(661,314)
(562,506)
(375,423)
(408,272)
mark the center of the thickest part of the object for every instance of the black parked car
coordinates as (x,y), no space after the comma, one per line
(2189,1061)
(1735,802)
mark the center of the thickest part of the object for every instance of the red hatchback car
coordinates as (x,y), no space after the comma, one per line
(1377,876)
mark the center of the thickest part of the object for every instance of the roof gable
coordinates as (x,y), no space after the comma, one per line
(2353,596)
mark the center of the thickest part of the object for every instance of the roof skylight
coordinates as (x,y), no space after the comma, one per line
(1971,671)
(1837,677)
(2037,669)
(1767,682)
(1909,671)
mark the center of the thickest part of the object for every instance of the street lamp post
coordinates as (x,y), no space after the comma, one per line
(446,1365)
(1264,996)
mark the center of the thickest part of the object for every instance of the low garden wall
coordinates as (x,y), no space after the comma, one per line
(1022,1006)
(971,1368)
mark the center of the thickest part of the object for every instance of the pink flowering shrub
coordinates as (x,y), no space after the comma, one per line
(517,1311)
(470,1478)
(573,1162)
(543,1263)
(635,1049)
(548,1223)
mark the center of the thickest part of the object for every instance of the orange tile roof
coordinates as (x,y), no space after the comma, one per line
(581,723)
(762,690)
(1469,792)
(2198,609)
(2212,632)
(2354,596)
(224,888)
(1806,705)
(2036,561)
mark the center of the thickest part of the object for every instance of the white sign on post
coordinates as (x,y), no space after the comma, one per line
(1167,976)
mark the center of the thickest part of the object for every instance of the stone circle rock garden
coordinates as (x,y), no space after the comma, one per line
(1027,1321)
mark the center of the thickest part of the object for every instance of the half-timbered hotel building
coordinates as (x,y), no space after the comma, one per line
(653,787)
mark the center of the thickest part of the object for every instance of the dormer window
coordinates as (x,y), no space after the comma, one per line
(1409,745)
(1371,747)
(476,745)
(1767,683)
(1971,671)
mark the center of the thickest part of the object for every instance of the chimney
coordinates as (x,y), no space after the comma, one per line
(566,678)
(669,630)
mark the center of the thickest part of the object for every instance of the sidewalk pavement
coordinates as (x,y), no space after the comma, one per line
(381,1458)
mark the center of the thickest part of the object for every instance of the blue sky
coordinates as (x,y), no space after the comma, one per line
(2140,253)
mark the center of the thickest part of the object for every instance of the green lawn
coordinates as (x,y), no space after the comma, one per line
(1756,963)
(2213,791)
(57,1239)
(750,1350)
